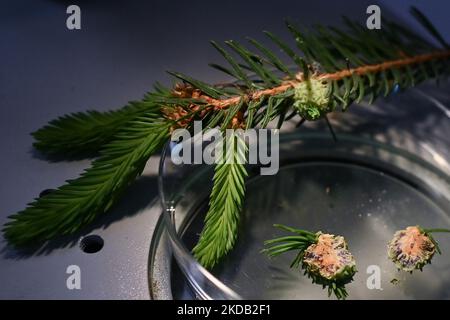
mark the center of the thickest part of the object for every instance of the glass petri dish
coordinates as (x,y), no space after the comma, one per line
(387,170)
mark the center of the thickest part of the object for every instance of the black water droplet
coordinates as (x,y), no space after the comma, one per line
(91,244)
(396,88)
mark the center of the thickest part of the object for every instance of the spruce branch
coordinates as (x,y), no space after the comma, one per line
(80,201)
(334,68)
(354,74)
(84,133)
(227,196)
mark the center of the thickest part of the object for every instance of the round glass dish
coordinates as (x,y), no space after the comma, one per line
(388,169)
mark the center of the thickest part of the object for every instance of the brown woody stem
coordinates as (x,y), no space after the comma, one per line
(362,70)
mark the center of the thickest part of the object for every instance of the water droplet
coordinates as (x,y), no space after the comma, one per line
(396,88)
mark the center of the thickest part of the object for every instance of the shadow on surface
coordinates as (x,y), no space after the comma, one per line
(36,154)
(135,199)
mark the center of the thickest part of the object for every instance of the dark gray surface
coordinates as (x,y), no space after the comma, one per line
(123,47)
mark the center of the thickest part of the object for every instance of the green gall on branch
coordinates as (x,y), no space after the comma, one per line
(312,98)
